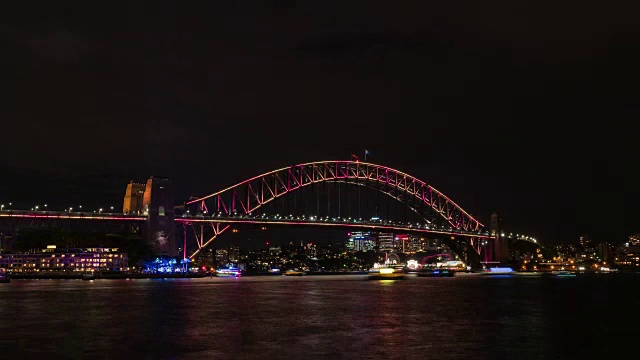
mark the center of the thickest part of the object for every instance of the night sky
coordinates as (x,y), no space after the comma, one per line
(517,107)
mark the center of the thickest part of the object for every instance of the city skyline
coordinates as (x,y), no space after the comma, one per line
(532,123)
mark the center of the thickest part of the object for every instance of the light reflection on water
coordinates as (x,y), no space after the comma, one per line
(335,317)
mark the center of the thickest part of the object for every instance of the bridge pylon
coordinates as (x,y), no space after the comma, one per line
(159,229)
(499,244)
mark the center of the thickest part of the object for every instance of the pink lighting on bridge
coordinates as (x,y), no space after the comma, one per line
(82,217)
(324,224)
(259,191)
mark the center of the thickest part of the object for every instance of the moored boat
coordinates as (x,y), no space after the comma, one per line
(4,277)
(436,273)
(562,273)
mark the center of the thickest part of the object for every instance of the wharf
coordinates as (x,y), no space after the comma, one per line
(122,275)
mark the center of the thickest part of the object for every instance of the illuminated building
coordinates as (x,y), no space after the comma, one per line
(360,241)
(311,250)
(222,256)
(634,239)
(401,243)
(385,242)
(585,242)
(79,260)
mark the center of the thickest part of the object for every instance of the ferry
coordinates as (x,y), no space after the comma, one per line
(4,277)
(228,272)
(293,272)
(499,271)
(385,273)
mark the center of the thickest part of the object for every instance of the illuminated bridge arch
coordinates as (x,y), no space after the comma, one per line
(247,196)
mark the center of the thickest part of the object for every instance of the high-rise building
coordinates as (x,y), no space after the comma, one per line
(401,243)
(385,242)
(585,242)
(361,241)
(604,252)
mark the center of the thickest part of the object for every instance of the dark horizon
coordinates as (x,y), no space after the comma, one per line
(508,107)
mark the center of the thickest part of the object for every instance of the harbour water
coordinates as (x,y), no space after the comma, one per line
(322,317)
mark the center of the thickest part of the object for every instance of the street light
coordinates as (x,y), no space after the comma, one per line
(99,210)
(37,207)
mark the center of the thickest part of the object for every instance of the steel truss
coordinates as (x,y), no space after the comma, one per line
(249,195)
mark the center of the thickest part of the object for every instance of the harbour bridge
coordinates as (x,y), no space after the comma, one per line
(350,194)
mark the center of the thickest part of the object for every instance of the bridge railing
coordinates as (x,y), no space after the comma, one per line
(68,215)
(331,220)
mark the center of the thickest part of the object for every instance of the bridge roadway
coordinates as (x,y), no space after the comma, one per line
(264,219)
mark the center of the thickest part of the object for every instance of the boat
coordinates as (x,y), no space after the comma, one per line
(435,273)
(228,272)
(4,277)
(89,275)
(385,273)
(562,273)
(499,271)
(293,272)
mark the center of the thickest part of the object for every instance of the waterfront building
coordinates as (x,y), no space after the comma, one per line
(627,256)
(61,260)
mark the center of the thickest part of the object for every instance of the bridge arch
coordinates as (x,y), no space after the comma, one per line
(249,195)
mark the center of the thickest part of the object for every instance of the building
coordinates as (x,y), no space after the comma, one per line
(52,259)
(385,242)
(361,241)
(402,243)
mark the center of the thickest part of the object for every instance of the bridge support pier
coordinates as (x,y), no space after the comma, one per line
(499,245)
(159,229)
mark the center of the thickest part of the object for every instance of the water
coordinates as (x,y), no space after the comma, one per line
(321,317)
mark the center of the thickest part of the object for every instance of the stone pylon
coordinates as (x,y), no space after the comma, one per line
(500,246)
